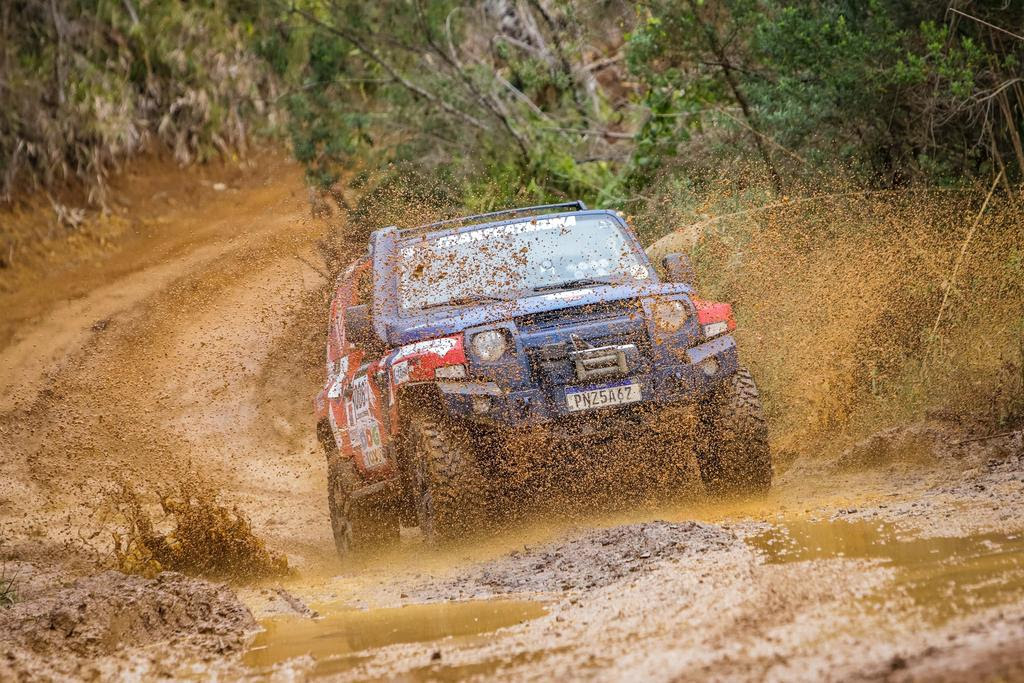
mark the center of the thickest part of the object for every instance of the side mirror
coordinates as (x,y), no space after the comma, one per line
(679,268)
(359,328)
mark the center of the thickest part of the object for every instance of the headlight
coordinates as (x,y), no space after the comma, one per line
(670,316)
(489,345)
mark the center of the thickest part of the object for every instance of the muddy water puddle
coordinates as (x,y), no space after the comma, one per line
(941,578)
(339,637)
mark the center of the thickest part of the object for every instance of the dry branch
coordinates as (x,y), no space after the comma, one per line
(390,69)
(963,252)
(982,21)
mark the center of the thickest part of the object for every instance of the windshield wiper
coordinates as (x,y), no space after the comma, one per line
(465,301)
(582,282)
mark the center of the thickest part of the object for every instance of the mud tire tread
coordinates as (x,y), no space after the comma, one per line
(448,475)
(734,457)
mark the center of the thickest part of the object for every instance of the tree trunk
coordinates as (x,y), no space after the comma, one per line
(58,60)
(730,78)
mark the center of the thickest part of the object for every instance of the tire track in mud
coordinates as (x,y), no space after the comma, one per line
(205,354)
(160,371)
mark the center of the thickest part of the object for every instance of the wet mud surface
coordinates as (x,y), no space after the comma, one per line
(939,577)
(110,623)
(336,637)
(845,576)
(197,347)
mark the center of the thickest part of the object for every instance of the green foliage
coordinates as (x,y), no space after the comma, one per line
(88,83)
(513,101)
(495,96)
(690,56)
(832,79)
(894,91)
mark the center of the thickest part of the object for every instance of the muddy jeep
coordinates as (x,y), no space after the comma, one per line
(537,325)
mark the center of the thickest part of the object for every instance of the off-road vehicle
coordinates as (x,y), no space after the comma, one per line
(447,339)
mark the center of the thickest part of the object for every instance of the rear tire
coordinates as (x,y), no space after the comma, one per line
(732,445)
(357,524)
(449,490)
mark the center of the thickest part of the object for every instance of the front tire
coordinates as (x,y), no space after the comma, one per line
(733,453)
(449,490)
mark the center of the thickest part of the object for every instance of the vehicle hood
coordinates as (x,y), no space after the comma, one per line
(443,321)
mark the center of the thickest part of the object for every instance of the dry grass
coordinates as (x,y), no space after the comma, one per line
(8,586)
(838,296)
(179,76)
(8,583)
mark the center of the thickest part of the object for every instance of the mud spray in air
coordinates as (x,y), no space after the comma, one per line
(156,419)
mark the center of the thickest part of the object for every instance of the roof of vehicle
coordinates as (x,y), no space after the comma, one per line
(398,326)
(470,223)
(575,205)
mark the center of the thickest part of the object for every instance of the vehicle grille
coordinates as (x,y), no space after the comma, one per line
(621,323)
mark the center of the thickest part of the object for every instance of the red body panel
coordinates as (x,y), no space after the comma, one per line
(417,362)
(360,397)
(714,311)
(355,406)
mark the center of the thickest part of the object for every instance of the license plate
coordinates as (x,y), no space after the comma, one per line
(602,397)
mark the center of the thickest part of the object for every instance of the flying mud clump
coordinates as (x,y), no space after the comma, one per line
(195,534)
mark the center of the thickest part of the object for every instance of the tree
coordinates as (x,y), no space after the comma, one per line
(701,52)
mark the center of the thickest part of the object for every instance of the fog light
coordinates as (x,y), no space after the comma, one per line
(709,366)
(451,372)
(481,404)
(716,329)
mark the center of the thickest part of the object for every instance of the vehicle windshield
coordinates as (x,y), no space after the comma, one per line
(508,261)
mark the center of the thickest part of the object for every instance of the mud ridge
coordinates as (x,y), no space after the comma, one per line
(98,624)
(581,560)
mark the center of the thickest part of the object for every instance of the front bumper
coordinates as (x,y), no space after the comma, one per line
(699,370)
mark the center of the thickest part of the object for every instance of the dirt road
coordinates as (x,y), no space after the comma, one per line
(195,346)
(898,573)
(158,358)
